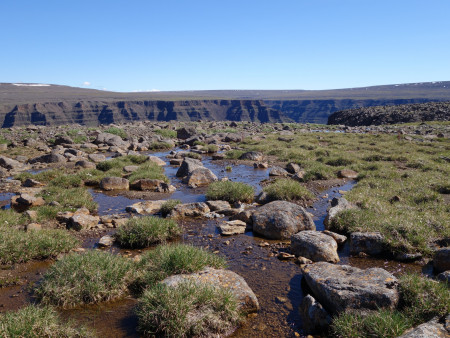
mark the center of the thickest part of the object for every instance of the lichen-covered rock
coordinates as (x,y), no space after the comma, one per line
(370,243)
(232,228)
(340,239)
(218,205)
(114,183)
(431,329)
(146,207)
(222,278)
(200,177)
(252,156)
(189,210)
(315,245)
(81,221)
(281,219)
(341,287)
(441,261)
(315,318)
(278,171)
(106,241)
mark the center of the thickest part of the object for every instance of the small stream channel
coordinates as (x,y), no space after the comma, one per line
(277,284)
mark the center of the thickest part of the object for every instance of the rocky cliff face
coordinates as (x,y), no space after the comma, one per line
(430,111)
(93,113)
(318,111)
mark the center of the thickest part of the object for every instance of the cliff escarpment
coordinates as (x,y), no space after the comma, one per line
(92,113)
(430,111)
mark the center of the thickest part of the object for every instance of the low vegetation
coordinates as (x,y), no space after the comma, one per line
(148,170)
(69,198)
(421,299)
(90,277)
(121,161)
(230,191)
(173,259)
(141,232)
(187,310)
(117,131)
(36,322)
(168,206)
(166,133)
(287,190)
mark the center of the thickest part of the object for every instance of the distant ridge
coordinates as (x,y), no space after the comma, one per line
(49,104)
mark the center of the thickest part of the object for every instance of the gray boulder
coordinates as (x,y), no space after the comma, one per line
(223,278)
(278,171)
(49,158)
(431,329)
(281,219)
(188,166)
(341,287)
(186,132)
(114,183)
(189,210)
(200,177)
(441,261)
(370,243)
(9,163)
(315,318)
(252,156)
(97,158)
(315,245)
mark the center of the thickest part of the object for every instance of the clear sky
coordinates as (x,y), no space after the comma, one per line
(128,45)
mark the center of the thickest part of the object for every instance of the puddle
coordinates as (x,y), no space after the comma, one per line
(5,200)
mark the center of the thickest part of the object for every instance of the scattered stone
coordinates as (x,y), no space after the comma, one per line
(340,239)
(157,161)
(25,200)
(106,241)
(32,183)
(232,228)
(337,205)
(441,261)
(408,257)
(218,205)
(130,168)
(303,260)
(315,245)
(281,219)
(347,173)
(315,318)
(188,166)
(224,278)
(146,207)
(97,158)
(252,156)
(49,158)
(341,287)
(299,176)
(260,165)
(186,132)
(293,168)
(444,276)
(278,171)
(114,183)
(153,185)
(34,227)
(283,256)
(189,210)
(85,164)
(9,163)
(81,221)
(370,243)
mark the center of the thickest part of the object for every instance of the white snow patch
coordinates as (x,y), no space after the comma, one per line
(31,85)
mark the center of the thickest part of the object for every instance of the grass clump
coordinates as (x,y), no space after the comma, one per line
(421,299)
(287,190)
(212,148)
(17,246)
(141,232)
(35,322)
(122,161)
(234,154)
(168,206)
(187,310)
(173,259)
(160,146)
(91,277)
(148,170)
(166,133)
(230,191)
(69,198)
(117,131)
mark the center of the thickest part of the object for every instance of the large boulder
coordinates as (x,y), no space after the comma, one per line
(114,183)
(186,132)
(315,246)
(281,219)
(9,163)
(441,261)
(341,287)
(337,205)
(222,278)
(315,318)
(370,243)
(188,166)
(200,177)
(189,210)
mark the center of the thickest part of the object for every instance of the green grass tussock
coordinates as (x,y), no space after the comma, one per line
(287,190)
(117,131)
(141,232)
(148,171)
(69,198)
(17,246)
(173,259)
(168,206)
(187,310)
(230,191)
(36,322)
(91,277)
(121,161)
(166,133)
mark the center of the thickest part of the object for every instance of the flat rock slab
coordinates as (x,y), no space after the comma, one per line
(146,207)
(281,219)
(341,287)
(224,278)
(230,228)
(431,329)
(196,209)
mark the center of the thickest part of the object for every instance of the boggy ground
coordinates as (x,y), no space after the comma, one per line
(401,191)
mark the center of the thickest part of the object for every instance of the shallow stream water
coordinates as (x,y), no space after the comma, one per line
(277,284)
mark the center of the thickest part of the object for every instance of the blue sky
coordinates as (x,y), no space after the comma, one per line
(190,45)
